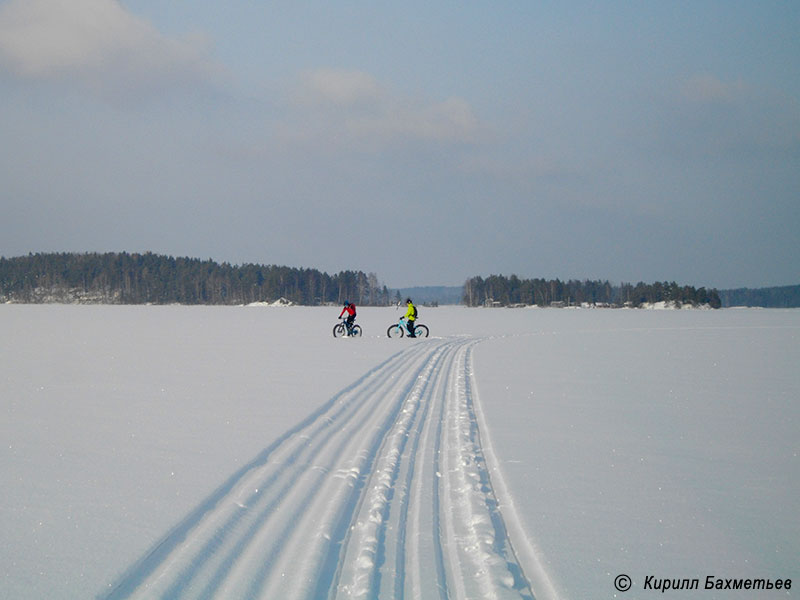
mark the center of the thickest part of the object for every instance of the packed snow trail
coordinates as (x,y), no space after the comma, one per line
(384,492)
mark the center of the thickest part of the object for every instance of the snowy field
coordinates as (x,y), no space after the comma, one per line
(210,452)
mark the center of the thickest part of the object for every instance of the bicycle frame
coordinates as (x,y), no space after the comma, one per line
(404,324)
(348,328)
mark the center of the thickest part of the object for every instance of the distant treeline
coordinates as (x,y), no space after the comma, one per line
(773,297)
(508,291)
(122,278)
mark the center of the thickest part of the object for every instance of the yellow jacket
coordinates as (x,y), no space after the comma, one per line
(410,312)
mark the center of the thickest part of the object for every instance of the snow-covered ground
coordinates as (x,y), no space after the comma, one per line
(168,452)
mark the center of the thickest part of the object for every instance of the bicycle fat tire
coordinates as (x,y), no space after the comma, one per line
(356,331)
(395,331)
(421,330)
(338,330)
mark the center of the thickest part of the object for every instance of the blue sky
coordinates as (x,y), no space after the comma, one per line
(425,142)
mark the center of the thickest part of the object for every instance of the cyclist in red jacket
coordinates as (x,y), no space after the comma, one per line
(350,309)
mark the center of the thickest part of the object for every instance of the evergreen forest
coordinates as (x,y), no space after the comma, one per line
(123,278)
(148,278)
(498,290)
(787,296)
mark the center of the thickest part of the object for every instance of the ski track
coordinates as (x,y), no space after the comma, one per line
(384,492)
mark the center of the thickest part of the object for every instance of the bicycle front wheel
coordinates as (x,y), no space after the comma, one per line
(338,330)
(395,331)
(421,330)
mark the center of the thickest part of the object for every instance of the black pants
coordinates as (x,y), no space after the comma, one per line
(411,332)
(349,322)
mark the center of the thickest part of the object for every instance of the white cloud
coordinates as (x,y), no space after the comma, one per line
(705,89)
(354,106)
(97,43)
(735,118)
(340,88)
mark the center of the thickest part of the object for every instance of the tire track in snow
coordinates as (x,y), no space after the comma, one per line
(384,492)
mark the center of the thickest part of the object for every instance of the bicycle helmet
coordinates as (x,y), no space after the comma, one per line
(408,300)
(346,303)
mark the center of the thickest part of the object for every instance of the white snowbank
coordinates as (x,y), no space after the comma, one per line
(280,302)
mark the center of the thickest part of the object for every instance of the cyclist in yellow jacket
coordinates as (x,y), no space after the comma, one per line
(411,316)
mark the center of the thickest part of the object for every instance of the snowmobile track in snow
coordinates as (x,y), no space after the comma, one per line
(384,492)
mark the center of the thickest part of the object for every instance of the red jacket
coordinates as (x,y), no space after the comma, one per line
(350,309)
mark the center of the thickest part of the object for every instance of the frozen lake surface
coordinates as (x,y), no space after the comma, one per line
(238,452)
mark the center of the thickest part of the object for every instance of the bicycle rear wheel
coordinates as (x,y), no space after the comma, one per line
(421,330)
(356,331)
